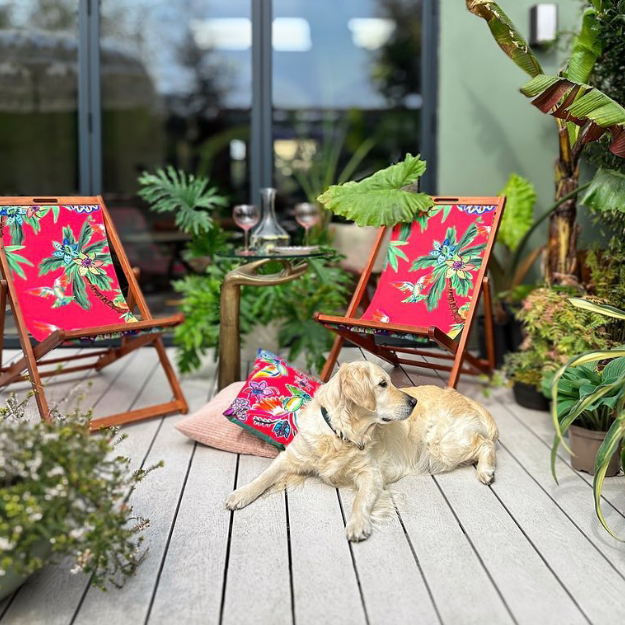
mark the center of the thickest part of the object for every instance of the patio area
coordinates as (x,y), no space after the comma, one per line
(523,550)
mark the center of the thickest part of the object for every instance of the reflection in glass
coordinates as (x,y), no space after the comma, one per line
(38,97)
(346,99)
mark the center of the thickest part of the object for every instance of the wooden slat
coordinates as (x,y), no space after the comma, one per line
(321,556)
(258,581)
(158,499)
(392,582)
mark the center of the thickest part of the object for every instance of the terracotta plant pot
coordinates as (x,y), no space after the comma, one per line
(585,445)
(528,396)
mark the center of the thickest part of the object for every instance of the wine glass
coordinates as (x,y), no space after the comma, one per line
(246,216)
(307,216)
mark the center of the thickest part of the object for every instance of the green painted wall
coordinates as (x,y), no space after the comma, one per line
(486,127)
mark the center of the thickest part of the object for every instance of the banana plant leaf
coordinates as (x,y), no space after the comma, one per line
(587,48)
(580,104)
(606,191)
(519,214)
(506,35)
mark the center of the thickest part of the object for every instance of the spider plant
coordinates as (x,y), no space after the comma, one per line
(612,385)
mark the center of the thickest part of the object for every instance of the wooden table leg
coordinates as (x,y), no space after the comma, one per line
(229,327)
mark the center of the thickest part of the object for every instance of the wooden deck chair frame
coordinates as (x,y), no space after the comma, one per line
(32,358)
(456,351)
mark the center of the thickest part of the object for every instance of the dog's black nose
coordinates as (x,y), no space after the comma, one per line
(412,401)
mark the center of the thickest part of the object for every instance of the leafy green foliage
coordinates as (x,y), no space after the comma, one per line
(394,253)
(586,48)
(190,198)
(382,199)
(606,192)
(63,487)
(15,260)
(505,33)
(519,213)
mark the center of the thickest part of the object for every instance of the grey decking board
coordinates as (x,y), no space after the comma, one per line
(258,582)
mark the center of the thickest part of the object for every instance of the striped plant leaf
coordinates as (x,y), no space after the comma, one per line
(606,451)
(601,309)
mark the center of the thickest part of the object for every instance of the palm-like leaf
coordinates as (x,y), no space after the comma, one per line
(519,214)
(190,198)
(582,105)
(606,192)
(506,35)
(586,48)
(380,199)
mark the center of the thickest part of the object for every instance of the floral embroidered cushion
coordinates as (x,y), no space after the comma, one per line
(62,268)
(431,268)
(271,399)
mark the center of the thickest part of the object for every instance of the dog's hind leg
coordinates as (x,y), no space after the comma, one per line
(486,459)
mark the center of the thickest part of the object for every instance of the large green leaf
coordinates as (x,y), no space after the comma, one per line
(602,460)
(600,309)
(51,263)
(606,192)
(506,35)
(587,48)
(380,199)
(80,292)
(85,235)
(580,104)
(519,214)
(614,370)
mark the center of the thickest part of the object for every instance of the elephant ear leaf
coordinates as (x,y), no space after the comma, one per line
(582,105)
(505,33)
(519,214)
(382,199)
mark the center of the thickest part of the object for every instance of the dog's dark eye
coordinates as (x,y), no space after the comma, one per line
(383,384)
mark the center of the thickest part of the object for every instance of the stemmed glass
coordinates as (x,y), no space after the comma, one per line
(246,216)
(307,216)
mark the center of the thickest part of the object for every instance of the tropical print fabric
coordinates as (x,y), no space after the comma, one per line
(271,399)
(431,268)
(62,268)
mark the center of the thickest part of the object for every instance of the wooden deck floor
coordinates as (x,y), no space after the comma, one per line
(520,551)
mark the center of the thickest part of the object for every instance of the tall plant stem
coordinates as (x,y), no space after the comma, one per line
(453,305)
(94,289)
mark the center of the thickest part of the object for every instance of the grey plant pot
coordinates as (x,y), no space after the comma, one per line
(11,581)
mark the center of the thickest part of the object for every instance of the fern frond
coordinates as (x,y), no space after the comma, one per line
(190,198)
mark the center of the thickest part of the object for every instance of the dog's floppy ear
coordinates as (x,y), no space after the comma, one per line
(356,387)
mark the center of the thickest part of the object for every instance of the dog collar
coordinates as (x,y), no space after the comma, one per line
(326,417)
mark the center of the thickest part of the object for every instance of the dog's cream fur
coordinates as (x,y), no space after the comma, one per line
(381,435)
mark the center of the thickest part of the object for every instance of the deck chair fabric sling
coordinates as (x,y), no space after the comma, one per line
(428,291)
(58,275)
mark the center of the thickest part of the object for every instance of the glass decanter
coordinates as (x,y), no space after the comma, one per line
(268,233)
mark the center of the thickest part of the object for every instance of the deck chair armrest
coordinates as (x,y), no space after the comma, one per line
(148,324)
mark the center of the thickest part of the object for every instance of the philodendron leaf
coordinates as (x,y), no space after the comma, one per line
(519,214)
(380,199)
(606,192)
(506,35)
(580,104)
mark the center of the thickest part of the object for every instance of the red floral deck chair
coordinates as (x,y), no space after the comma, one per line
(429,289)
(55,256)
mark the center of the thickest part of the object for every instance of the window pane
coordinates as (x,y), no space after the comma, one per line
(38,97)
(346,83)
(176,89)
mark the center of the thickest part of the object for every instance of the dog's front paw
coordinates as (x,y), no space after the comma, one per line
(486,476)
(358,529)
(238,499)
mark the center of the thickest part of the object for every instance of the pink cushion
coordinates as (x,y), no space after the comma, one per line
(208,426)
(268,404)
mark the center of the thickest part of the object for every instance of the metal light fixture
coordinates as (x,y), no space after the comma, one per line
(543,24)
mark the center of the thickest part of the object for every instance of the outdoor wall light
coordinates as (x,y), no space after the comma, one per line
(543,24)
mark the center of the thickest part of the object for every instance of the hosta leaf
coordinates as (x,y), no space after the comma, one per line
(586,48)
(606,192)
(519,214)
(380,199)
(506,35)
(602,460)
(614,370)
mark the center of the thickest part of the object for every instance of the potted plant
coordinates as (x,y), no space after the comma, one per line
(611,385)
(63,492)
(591,425)
(554,332)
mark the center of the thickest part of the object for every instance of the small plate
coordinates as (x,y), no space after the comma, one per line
(293,250)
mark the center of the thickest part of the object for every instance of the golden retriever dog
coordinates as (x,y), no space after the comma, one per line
(362,432)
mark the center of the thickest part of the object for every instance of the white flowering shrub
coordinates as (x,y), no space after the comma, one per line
(65,489)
